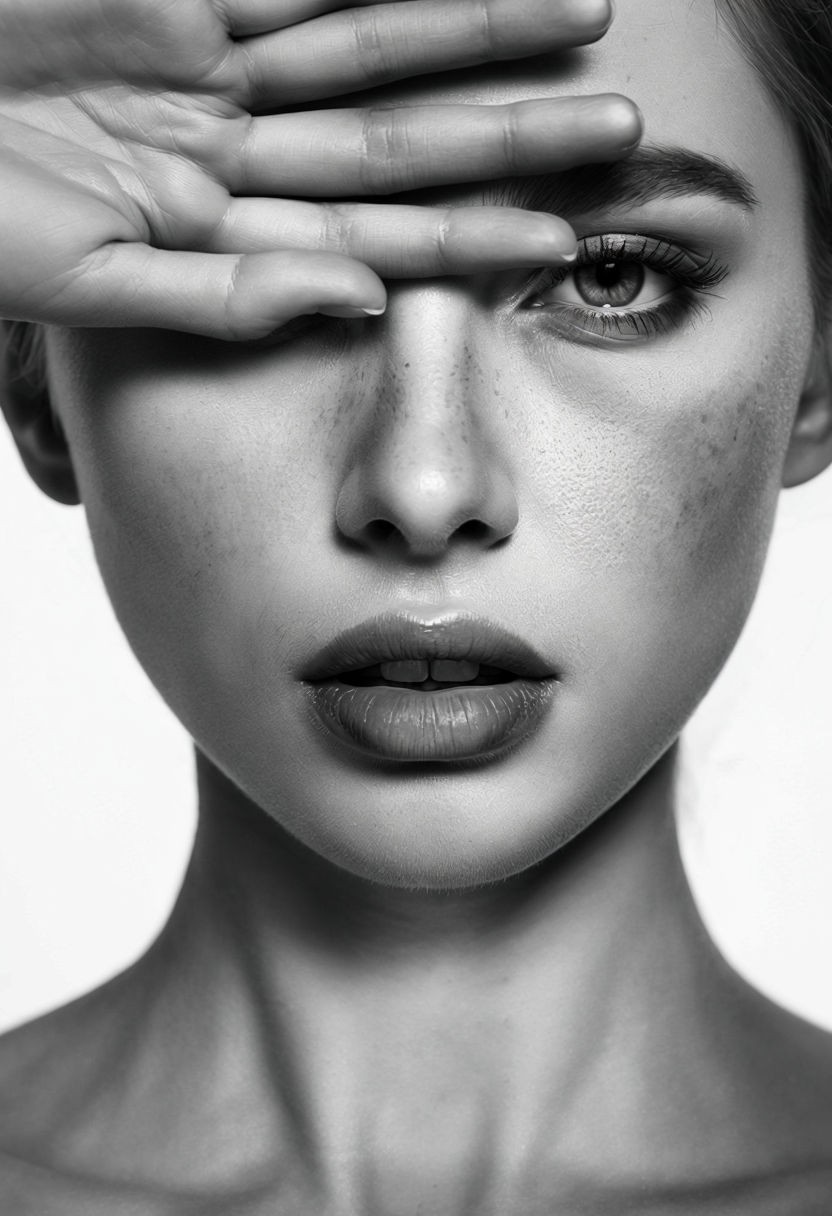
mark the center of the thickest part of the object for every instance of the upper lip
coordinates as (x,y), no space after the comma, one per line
(392,636)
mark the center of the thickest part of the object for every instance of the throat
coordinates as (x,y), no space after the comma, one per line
(404,1021)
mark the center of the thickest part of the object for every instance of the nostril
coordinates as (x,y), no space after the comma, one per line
(397,511)
(380,531)
(474,530)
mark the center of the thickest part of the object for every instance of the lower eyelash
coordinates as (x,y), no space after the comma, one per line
(684,306)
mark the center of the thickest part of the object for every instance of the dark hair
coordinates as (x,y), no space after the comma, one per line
(789,43)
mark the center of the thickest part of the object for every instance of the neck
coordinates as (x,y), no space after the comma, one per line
(414,1026)
(588,899)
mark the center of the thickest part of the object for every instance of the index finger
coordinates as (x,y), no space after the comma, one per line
(360,48)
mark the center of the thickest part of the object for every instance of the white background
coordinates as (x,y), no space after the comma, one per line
(97,800)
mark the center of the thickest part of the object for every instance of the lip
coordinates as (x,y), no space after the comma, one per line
(392,636)
(450,724)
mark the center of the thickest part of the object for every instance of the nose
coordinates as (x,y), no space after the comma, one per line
(428,470)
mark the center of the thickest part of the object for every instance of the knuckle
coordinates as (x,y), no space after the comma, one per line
(386,151)
(234,312)
(487,34)
(445,241)
(371,54)
(248,73)
(242,157)
(336,229)
(512,133)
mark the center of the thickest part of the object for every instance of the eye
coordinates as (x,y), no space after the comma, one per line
(609,284)
(625,288)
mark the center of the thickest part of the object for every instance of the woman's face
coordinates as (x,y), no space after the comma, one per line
(591,464)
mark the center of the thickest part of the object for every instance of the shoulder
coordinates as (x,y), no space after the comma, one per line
(91,1123)
(766,1097)
(53,1073)
(785,1068)
(53,1077)
(45,1066)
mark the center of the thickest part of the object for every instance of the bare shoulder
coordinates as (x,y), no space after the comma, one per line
(52,1073)
(786,1065)
(82,1121)
(49,1065)
(768,1096)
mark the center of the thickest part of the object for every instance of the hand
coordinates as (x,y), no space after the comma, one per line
(143,183)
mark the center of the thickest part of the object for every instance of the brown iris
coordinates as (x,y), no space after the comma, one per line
(616,284)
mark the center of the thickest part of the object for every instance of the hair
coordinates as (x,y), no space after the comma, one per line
(789,44)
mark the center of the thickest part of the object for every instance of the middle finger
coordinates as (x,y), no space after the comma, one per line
(339,153)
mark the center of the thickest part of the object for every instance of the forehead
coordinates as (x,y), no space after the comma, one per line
(679,61)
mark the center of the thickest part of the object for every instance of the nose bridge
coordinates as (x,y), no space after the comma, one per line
(427,358)
(428,468)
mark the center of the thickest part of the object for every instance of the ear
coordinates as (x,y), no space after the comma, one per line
(24,397)
(810,446)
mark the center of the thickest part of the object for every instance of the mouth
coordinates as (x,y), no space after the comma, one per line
(454,688)
(428,675)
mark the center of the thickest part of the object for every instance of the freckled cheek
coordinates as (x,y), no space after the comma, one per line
(724,461)
(655,508)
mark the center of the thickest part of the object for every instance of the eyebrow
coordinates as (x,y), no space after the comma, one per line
(646,175)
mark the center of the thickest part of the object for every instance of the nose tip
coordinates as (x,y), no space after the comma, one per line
(421,511)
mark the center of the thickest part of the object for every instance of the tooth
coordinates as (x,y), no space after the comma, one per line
(405,671)
(450,671)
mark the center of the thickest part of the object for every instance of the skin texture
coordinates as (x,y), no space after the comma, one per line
(357,1022)
(278,460)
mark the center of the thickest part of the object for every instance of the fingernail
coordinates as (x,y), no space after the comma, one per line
(346,310)
(595,15)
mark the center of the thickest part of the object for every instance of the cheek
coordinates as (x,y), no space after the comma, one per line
(650,476)
(655,490)
(726,455)
(204,488)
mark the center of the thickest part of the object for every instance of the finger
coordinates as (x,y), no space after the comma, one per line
(245,17)
(337,153)
(400,241)
(362,48)
(221,296)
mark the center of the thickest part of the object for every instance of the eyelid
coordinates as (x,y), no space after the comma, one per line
(695,274)
(670,257)
(699,270)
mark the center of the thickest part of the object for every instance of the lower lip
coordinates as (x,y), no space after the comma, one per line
(448,724)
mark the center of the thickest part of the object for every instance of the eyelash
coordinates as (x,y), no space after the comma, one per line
(693,276)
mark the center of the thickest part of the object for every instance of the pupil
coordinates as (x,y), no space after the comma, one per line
(614,283)
(608,274)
